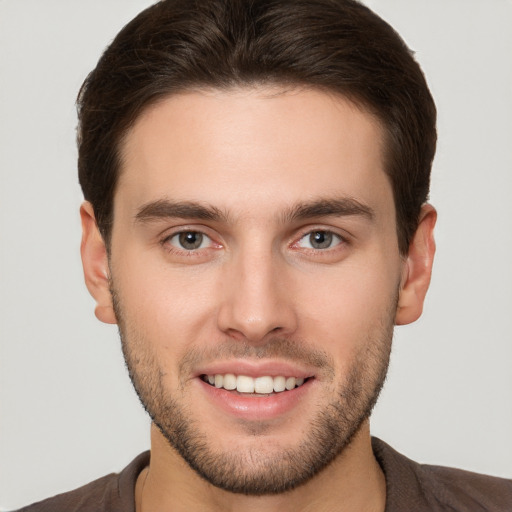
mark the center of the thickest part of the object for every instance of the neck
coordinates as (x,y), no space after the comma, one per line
(352,482)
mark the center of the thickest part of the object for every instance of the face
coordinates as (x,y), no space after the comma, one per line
(255,273)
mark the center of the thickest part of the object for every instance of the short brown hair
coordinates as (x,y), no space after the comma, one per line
(335,45)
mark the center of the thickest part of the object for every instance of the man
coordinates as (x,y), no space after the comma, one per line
(256,176)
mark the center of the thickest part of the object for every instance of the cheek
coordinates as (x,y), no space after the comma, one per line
(168,307)
(355,305)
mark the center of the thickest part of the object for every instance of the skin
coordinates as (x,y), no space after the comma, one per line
(253,156)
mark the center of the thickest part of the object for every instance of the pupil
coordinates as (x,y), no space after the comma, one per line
(191,240)
(321,239)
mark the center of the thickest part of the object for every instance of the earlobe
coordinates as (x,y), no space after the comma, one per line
(95,265)
(417,268)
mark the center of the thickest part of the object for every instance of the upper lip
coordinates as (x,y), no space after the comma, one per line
(255,369)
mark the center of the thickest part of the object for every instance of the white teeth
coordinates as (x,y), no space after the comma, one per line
(290,383)
(229,381)
(261,385)
(244,384)
(279,384)
(264,385)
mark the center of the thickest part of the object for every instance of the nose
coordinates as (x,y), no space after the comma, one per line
(257,302)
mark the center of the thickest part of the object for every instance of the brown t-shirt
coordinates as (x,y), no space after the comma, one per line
(411,487)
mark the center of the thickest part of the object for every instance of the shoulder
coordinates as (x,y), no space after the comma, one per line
(112,493)
(84,498)
(422,487)
(473,491)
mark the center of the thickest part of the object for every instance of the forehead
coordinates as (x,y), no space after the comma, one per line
(254,146)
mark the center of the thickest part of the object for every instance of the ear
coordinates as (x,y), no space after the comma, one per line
(95,265)
(417,268)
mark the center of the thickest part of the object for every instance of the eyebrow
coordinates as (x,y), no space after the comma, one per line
(337,207)
(164,208)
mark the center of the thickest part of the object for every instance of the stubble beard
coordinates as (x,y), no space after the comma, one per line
(257,471)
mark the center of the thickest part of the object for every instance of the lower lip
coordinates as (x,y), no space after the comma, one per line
(253,407)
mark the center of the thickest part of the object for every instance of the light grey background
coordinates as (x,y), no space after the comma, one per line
(68,413)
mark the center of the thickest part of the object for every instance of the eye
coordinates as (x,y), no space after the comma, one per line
(319,240)
(189,240)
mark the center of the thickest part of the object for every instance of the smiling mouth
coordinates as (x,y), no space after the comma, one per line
(258,386)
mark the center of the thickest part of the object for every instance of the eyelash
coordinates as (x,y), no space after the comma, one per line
(195,252)
(170,248)
(341,241)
